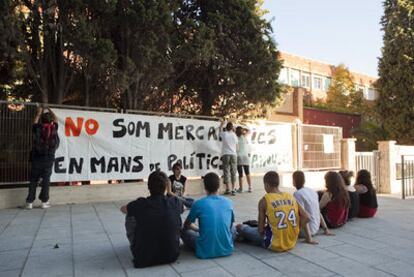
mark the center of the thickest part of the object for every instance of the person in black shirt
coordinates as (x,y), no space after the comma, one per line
(368,203)
(42,156)
(153,224)
(178,185)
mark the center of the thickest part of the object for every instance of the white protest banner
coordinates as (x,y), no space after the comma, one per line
(114,146)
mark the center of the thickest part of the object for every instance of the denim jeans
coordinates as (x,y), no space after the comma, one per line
(229,169)
(39,170)
(189,237)
(251,234)
(188,202)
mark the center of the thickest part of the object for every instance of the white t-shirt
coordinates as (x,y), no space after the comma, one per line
(229,143)
(308,199)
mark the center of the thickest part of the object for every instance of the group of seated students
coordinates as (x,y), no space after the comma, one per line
(154,227)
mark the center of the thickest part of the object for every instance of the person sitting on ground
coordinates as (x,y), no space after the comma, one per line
(42,156)
(368,203)
(334,202)
(214,235)
(308,199)
(229,156)
(178,182)
(153,224)
(243,158)
(279,221)
(353,194)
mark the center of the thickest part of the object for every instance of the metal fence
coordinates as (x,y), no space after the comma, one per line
(405,172)
(321,147)
(16,118)
(370,162)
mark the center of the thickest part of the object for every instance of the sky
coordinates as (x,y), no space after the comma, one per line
(331,31)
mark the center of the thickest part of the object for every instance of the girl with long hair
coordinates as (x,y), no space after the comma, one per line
(368,204)
(334,203)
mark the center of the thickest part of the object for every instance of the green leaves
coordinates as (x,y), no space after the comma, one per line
(193,56)
(396,71)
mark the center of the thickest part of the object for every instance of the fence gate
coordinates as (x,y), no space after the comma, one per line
(407,175)
(370,162)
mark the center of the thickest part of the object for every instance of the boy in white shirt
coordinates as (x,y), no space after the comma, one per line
(308,199)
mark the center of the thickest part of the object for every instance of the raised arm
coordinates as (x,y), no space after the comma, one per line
(54,117)
(38,114)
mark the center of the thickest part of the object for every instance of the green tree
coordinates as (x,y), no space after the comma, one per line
(91,40)
(395,105)
(224,57)
(141,35)
(10,39)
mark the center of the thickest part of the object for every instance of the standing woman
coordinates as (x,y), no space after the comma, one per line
(334,203)
(243,158)
(42,156)
(368,204)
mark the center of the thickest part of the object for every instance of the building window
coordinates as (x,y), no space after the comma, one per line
(317,82)
(305,80)
(326,83)
(294,77)
(372,94)
(283,76)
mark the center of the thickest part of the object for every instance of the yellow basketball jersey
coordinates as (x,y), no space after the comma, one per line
(283,226)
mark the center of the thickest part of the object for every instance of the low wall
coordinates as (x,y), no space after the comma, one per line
(12,198)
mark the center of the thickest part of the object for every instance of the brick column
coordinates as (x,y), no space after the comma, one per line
(348,154)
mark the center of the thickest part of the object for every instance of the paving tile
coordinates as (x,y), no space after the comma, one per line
(381,246)
(159,271)
(187,262)
(245,265)
(96,258)
(216,272)
(11,273)
(49,262)
(312,252)
(398,268)
(12,260)
(405,254)
(367,257)
(347,267)
(291,265)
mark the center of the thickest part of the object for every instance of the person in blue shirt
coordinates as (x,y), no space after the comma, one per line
(213,237)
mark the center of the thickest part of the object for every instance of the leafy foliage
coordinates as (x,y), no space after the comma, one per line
(208,57)
(395,86)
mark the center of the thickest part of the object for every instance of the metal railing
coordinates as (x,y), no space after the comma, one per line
(406,173)
(16,119)
(369,161)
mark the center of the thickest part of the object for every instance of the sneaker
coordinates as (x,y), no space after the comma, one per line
(240,190)
(45,205)
(250,190)
(233,192)
(28,206)
(227,192)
